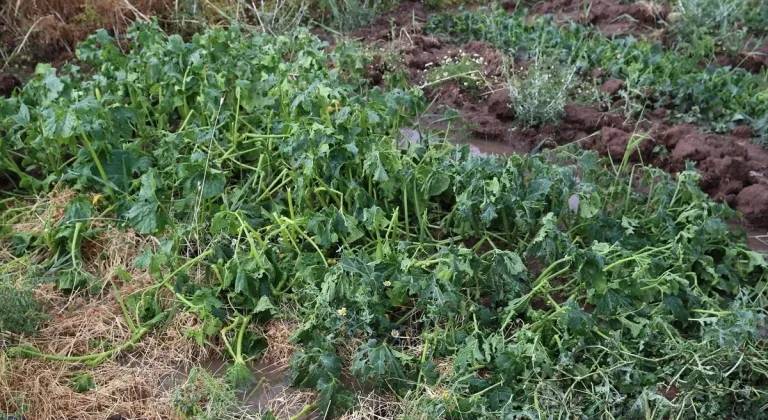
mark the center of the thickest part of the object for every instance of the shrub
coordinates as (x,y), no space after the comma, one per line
(538,94)
(352,14)
(280,16)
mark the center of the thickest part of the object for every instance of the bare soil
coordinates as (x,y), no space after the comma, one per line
(8,82)
(611,16)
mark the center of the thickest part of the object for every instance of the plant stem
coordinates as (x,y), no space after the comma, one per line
(308,408)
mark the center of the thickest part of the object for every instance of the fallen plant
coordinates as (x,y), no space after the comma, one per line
(264,173)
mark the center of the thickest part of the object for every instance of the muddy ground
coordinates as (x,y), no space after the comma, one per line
(733,169)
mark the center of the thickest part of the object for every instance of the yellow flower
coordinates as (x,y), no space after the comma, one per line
(387,283)
(395,333)
(96,199)
(445,395)
(342,312)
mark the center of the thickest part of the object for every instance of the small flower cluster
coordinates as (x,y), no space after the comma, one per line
(466,69)
(460,57)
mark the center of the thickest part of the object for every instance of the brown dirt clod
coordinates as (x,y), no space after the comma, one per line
(743,132)
(612,86)
(499,104)
(752,202)
(614,142)
(610,16)
(755,59)
(8,83)
(589,119)
(648,12)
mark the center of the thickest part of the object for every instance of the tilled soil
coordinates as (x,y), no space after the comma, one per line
(732,169)
(610,16)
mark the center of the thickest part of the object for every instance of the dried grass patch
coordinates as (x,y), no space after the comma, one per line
(279,348)
(374,406)
(133,384)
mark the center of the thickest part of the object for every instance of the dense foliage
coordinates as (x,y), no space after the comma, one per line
(534,286)
(683,78)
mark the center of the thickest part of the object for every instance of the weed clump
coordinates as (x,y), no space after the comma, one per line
(538,94)
(21,313)
(204,397)
(719,19)
(352,14)
(280,16)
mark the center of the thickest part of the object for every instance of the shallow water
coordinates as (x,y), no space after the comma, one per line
(271,382)
(487,148)
(757,240)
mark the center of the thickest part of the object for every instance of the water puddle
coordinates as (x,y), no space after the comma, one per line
(270,382)
(489,147)
(757,240)
(270,390)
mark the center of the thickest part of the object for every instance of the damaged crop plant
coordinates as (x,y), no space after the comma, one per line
(276,184)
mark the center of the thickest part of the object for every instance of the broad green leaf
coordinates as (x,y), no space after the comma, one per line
(78,211)
(438,183)
(144,217)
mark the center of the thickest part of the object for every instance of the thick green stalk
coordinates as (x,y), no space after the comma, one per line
(91,358)
(97,162)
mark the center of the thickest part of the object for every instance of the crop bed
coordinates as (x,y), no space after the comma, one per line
(200,192)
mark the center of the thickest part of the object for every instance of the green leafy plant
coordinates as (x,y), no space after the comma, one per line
(269,175)
(720,19)
(82,383)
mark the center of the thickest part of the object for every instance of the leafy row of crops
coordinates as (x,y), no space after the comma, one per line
(674,78)
(274,177)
